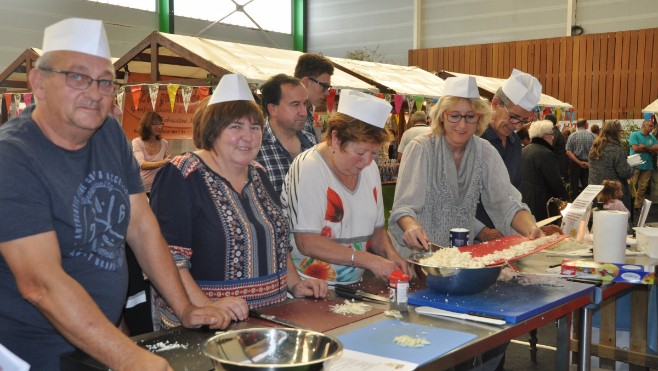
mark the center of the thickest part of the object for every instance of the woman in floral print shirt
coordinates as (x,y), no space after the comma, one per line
(332,197)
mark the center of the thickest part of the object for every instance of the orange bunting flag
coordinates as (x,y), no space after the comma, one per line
(8,101)
(136,91)
(204,91)
(172,89)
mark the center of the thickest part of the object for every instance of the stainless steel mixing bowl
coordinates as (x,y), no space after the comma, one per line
(271,349)
(454,281)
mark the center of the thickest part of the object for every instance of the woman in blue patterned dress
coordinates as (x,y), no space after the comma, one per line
(221,217)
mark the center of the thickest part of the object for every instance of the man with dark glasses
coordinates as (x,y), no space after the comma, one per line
(315,72)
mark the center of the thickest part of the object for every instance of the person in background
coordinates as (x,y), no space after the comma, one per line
(150,150)
(541,173)
(445,174)
(512,105)
(71,198)
(332,197)
(221,216)
(315,72)
(607,159)
(595,130)
(644,143)
(524,136)
(283,100)
(611,194)
(559,146)
(578,146)
(418,126)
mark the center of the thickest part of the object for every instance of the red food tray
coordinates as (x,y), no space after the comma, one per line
(505,243)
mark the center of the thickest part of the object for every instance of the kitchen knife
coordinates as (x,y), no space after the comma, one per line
(348,292)
(274,319)
(548,221)
(429,311)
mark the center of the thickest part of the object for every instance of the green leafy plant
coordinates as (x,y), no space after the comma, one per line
(367,54)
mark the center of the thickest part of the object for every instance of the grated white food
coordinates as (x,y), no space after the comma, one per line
(164,346)
(410,342)
(350,307)
(393,313)
(457,259)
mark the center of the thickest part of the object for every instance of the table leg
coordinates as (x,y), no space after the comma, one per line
(585,337)
(563,348)
(533,346)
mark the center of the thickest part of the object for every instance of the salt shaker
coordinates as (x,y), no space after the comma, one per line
(398,284)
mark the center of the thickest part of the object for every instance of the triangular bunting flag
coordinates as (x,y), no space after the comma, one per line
(153,94)
(8,101)
(121,94)
(187,95)
(419,103)
(397,102)
(204,91)
(331,98)
(136,91)
(27,98)
(172,89)
(410,103)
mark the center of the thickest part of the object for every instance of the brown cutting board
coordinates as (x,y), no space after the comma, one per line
(313,314)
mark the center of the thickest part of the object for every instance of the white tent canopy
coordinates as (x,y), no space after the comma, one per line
(491,84)
(256,63)
(652,108)
(408,80)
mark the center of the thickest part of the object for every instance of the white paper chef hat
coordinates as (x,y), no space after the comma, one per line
(461,86)
(231,87)
(364,107)
(522,89)
(78,35)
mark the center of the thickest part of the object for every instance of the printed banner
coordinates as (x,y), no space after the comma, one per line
(177,124)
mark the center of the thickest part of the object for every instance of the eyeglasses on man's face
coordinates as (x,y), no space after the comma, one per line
(455,117)
(81,81)
(324,85)
(513,119)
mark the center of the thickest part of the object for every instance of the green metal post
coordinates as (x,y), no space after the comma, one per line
(299,25)
(163,15)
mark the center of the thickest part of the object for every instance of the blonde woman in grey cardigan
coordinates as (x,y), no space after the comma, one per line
(444,174)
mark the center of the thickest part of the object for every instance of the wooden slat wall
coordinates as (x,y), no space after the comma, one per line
(604,76)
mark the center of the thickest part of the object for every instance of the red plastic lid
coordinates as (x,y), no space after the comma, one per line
(398,275)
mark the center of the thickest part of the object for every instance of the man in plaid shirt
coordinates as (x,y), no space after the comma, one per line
(284,104)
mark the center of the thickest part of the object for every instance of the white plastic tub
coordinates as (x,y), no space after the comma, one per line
(647,241)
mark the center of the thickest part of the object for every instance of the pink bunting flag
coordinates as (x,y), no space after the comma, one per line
(136,91)
(331,98)
(172,89)
(27,98)
(397,102)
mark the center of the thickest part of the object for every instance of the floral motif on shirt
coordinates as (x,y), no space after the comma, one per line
(335,209)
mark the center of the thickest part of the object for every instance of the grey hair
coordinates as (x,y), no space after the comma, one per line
(540,128)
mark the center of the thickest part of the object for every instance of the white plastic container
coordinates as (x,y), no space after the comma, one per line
(647,241)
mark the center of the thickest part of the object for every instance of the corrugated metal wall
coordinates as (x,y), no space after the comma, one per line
(604,76)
